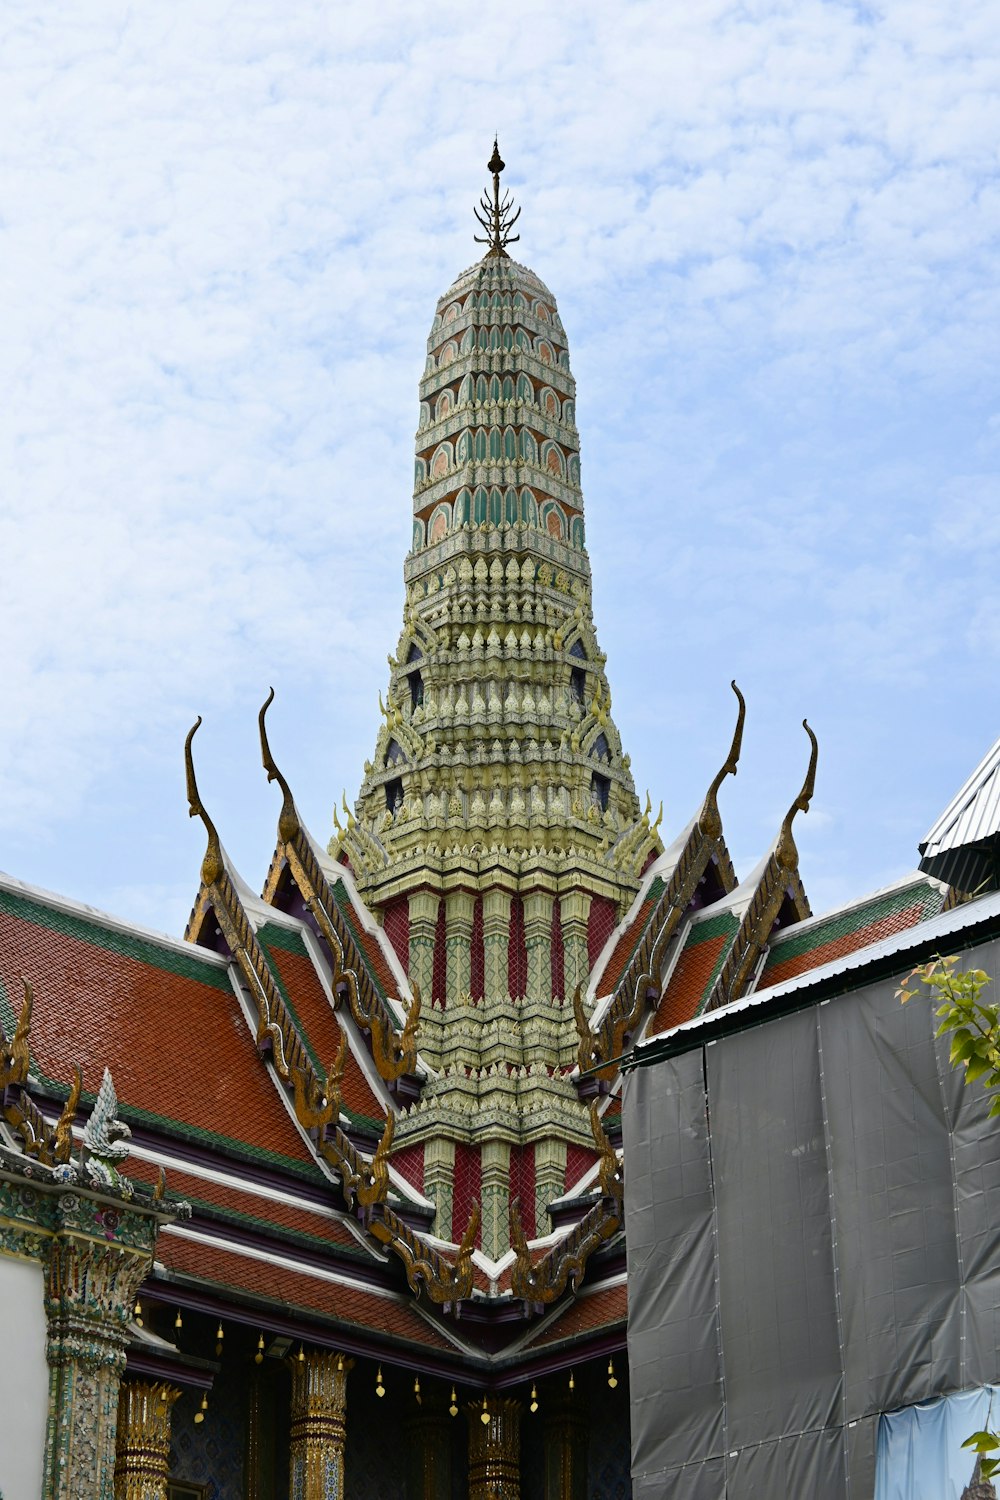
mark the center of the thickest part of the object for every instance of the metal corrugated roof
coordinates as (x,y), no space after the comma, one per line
(971,816)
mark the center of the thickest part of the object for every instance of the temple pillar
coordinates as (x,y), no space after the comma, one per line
(495,1190)
(574,910)
(565,1437)
(318,1428)
(550,1179)
(459,907)
(495,1449)
(91,1286)
(439,1182)
(429,1447)
(496,940)
(423,909)
(538,941)
(143,1442)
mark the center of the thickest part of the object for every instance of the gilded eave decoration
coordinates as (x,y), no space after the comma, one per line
(316,1101)
(639,985)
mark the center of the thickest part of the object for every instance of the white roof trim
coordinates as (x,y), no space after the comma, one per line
(946,924)
(105,919)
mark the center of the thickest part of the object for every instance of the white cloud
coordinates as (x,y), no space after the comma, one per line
(773,234)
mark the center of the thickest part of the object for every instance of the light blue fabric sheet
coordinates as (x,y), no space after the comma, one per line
(920,1454)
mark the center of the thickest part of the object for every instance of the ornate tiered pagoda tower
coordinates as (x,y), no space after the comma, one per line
(497,835)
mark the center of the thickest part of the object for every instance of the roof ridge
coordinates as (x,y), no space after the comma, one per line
(103,918)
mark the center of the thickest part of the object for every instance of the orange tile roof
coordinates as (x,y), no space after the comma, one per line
(252,1210)
(321,1031)
(626,945)
(168,1025)
(229,1269)
(599,1309)
(688,983)
(850,929)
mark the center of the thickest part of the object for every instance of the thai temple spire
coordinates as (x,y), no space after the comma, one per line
(497,834)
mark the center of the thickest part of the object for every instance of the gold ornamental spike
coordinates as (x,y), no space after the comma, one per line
(213,864)
(785,851)
(15,1056)
(709,819)
(288,818)
(499,217)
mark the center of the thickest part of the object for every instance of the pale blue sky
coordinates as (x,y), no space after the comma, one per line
(773,233)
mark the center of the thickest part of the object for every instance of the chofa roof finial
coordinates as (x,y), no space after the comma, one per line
(709,819)
(213,863)
(288,819)
(785,851)
(499,217)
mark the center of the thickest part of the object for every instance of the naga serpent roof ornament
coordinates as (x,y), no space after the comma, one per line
(785,851)
(709,819)
(288,819)
(499,217)
(213,864)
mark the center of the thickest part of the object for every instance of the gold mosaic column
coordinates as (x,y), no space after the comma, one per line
(319,1426)
(458,945)
(495,1191)
(429,1446)
(496,940)
(566,1450)
(90,1292)
(574,909)
(143,1445)
(439,1183)
(423,907)
(538,941)
(550,1178)
(495,1449)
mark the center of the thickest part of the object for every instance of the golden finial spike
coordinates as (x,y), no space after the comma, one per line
(499,217)
(213,864)
(62,1137)
(709,819)
(785,851)
(15,1057)
(288,818)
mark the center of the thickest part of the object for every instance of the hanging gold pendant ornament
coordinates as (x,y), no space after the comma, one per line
(258,1358)
(379,1387)
(612,1377)
(453,1408)
(484,1415)
(199,1416)
(138,1314)
(220,1334)
(178,1320)
(416,1389)
(534,1398)
(572,1382)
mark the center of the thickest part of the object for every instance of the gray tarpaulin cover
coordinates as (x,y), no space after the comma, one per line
(813,1228)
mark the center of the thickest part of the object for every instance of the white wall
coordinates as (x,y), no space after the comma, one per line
(24,1379)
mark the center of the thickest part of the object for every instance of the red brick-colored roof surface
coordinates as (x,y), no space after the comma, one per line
(166,1023)
(629,941)
(304,993)
(233,1271)
(600,1309)
(697,966)
(849,930)
(243,1209)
